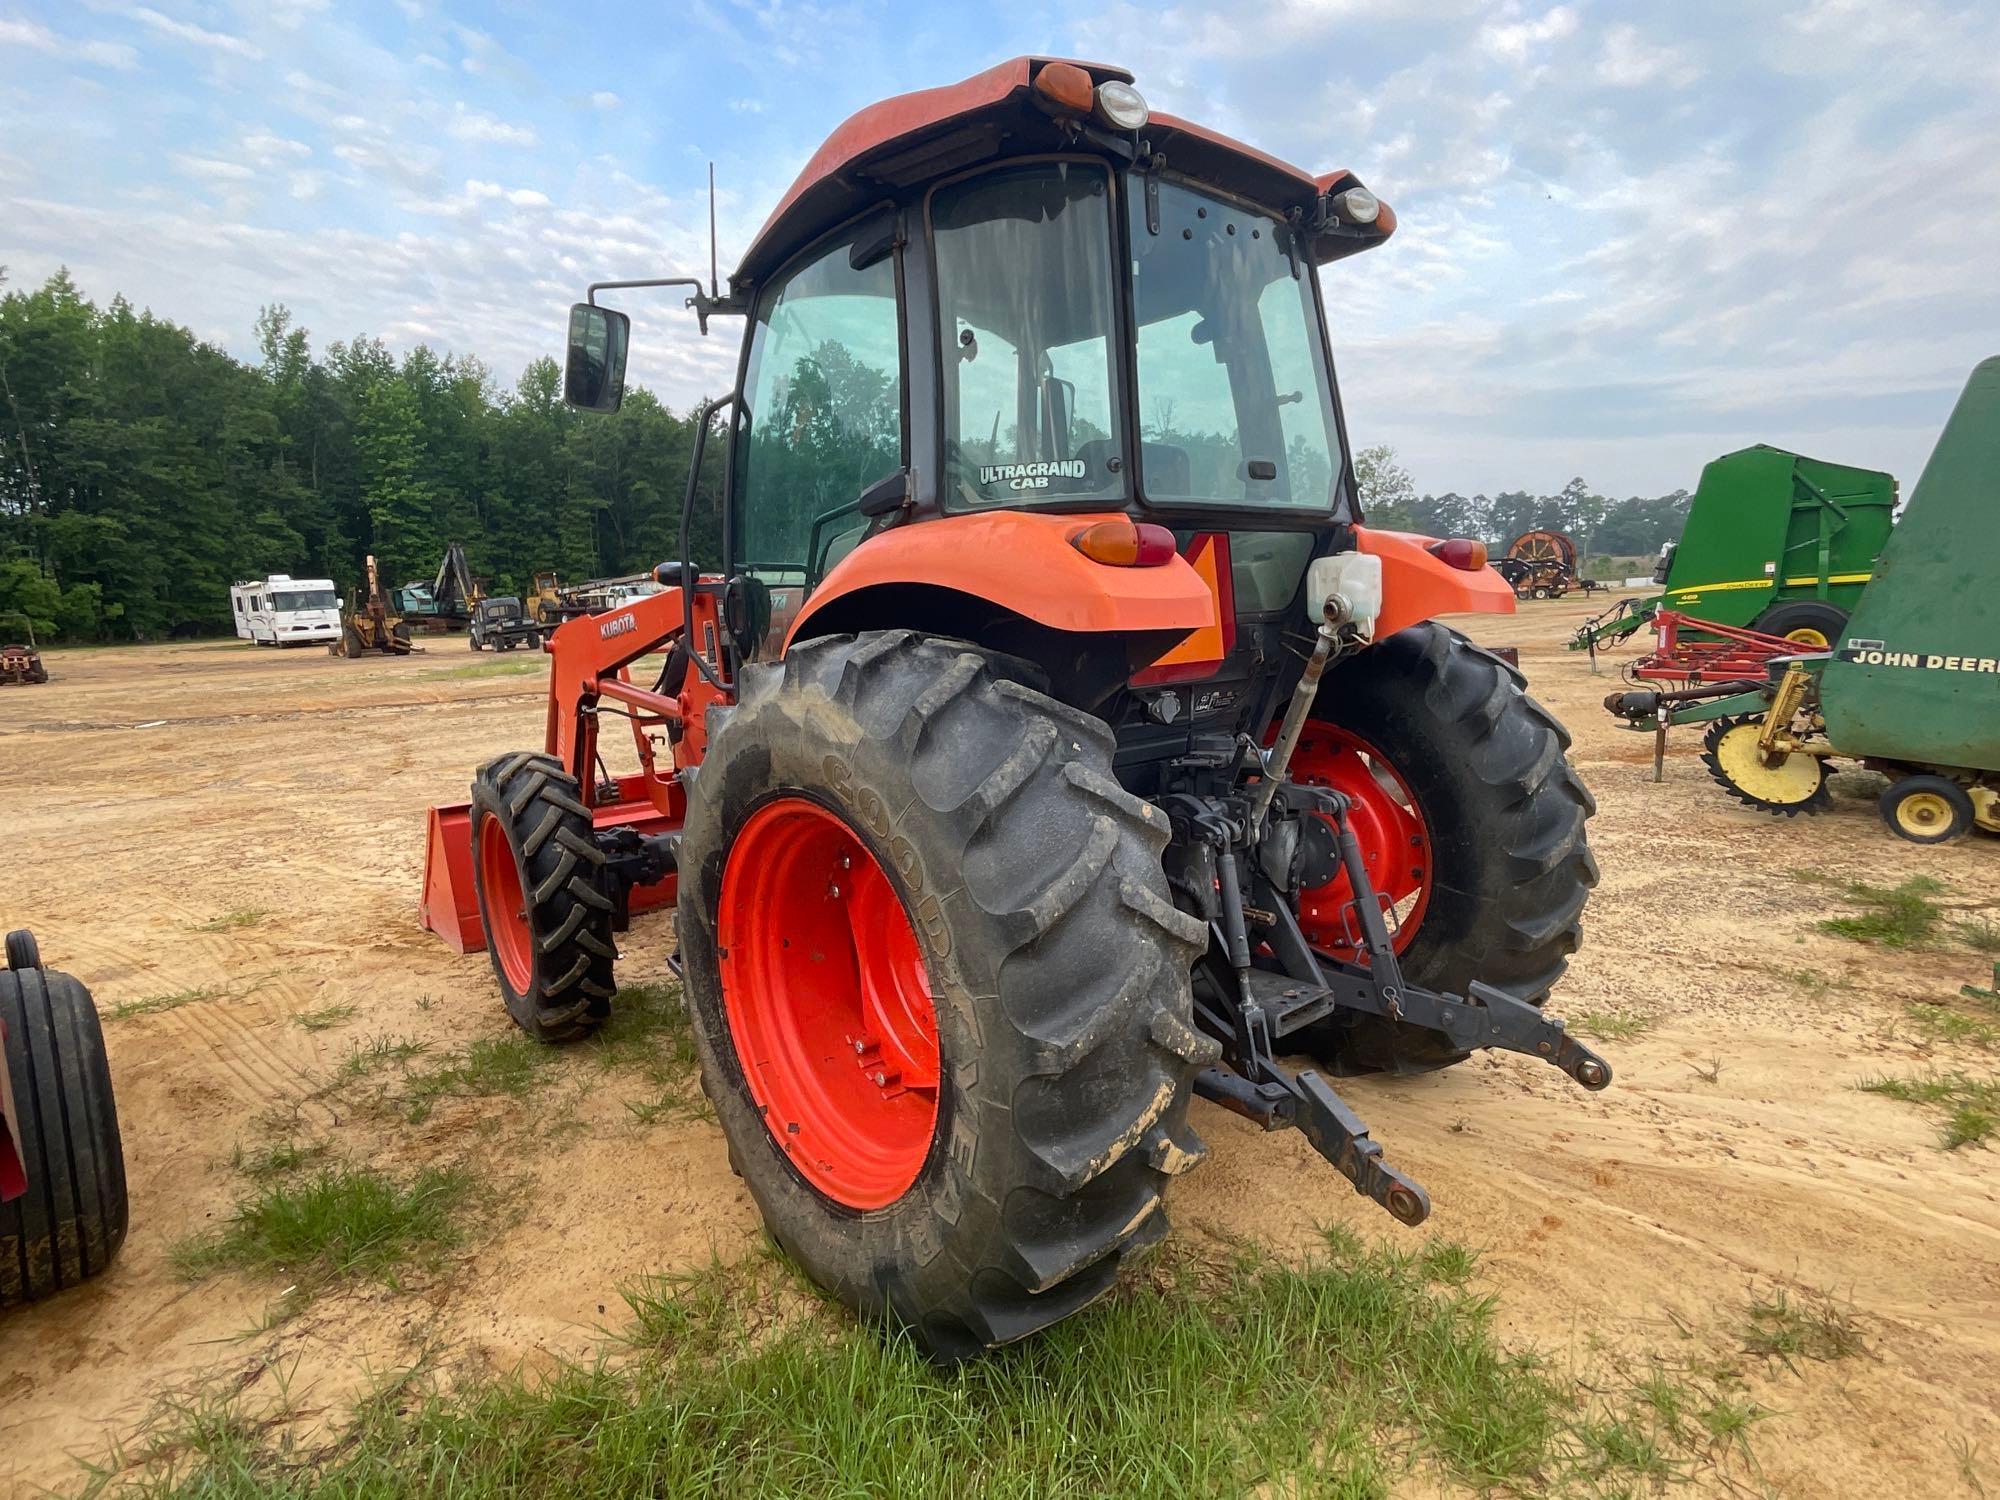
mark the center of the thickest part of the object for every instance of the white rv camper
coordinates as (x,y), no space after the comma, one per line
(286,611)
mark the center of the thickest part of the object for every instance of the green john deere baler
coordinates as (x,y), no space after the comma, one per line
(1775,542)
(1912,688)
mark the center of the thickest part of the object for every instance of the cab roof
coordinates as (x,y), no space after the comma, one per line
(913,138)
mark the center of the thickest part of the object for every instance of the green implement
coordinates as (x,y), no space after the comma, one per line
(1917,676)
(1911,686)
(1774,541)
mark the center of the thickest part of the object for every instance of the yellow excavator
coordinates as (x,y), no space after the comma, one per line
(368,625)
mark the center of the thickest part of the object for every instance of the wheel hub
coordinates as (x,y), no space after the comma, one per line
(829,1003)
(1395,844)
(1923,813)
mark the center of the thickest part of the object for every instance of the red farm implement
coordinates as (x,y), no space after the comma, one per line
(1696,652)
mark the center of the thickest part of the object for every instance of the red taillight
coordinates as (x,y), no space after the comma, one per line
(1126,544)
(1460,553)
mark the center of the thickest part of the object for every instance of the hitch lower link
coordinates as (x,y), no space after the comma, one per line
(1271,1005)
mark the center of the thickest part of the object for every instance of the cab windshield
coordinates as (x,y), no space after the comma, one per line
(1235,401)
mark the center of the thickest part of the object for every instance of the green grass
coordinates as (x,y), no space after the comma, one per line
(1810,981)
(1812,1326)
(1971,1106)
(342,1221)
(281,1159)
(154,1004)
(242,916)
(493,669)
(1607,1027)
(649,1034)
(1336,1378)
(1981,934)
(323,1019)
(1940,1023)
(365,1059)
(511,1065)
(1901,916)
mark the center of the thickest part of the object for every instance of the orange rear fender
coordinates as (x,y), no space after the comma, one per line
(1417,586)
(1024,563)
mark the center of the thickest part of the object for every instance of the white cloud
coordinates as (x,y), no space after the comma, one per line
(199,36)
(605,99)
(747,106)
(267,149)
(39,38)
(1627,61)
(1514,40)
(477,126)
(210,169)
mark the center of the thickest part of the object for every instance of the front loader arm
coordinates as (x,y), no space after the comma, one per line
(591,660)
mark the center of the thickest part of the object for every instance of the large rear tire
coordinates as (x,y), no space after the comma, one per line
(1044,949)
(71,1220)
(1480,768)
(541,896)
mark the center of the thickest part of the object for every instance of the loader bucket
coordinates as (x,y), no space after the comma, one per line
(450,905)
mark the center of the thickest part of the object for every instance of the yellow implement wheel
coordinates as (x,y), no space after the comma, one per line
(1806,635)
(1926,809)
(1786,783)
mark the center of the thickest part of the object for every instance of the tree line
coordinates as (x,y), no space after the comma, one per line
(1633,527)
(142,471)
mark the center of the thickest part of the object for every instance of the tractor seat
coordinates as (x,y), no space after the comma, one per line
(1169,475)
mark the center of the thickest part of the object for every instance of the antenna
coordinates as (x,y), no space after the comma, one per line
(714,290)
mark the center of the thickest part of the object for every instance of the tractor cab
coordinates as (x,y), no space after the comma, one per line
(1028,295)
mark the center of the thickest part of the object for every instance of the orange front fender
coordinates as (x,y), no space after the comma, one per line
(1024,563)
(1417,586)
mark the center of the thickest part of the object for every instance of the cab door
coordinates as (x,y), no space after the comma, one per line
(823,416)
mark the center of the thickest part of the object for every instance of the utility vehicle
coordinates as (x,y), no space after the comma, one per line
(1054,743)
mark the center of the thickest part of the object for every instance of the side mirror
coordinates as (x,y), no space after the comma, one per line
(594,372)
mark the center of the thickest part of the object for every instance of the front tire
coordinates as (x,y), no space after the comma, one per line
(72,1219)
(1925,809)
(1051,961)
(1489,805)
(541,897)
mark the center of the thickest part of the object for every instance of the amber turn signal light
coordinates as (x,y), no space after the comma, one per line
(1126,544)
(1067,85)
(1459,552)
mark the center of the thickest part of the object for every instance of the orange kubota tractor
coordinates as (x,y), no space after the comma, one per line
(1054,743)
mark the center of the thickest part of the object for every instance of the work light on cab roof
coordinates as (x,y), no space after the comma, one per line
(1056,742)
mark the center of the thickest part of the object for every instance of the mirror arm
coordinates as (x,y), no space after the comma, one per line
(704,305)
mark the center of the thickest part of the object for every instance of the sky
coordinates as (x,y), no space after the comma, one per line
(1631,236)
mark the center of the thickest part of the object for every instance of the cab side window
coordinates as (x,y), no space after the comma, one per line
(822,416)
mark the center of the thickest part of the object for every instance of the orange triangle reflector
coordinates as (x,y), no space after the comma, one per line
(1207,552)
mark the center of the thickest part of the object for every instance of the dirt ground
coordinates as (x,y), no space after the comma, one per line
(146,795)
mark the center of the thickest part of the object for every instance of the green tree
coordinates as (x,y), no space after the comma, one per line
(1388,494)
(401,506)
